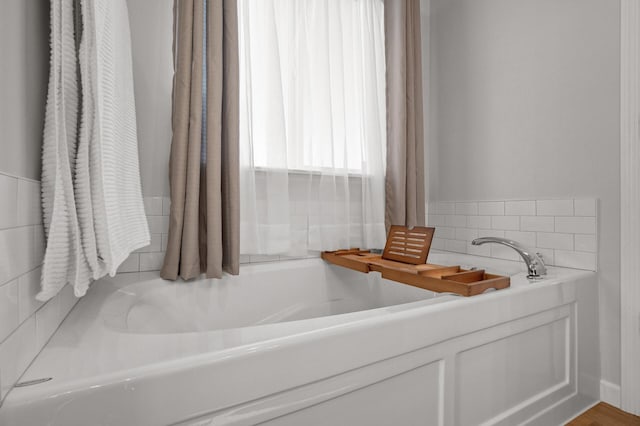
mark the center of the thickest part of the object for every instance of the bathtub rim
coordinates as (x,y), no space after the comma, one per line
(53,390)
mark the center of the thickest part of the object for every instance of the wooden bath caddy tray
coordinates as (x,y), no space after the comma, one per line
(404,260)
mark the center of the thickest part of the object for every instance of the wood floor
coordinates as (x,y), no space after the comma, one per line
(605,415)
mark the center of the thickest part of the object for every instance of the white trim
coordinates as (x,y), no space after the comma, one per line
(630,205)
(610,393)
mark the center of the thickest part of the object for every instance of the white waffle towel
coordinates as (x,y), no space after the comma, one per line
(92,198)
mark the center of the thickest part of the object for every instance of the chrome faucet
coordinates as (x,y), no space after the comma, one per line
(535,265)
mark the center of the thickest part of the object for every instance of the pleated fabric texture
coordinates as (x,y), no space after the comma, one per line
(312,126)
(203,171)
(91,194)
(404,186)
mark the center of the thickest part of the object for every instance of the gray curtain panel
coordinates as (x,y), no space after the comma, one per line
(404,186)
(204,227)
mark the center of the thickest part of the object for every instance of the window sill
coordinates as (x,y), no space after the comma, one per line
(300,172)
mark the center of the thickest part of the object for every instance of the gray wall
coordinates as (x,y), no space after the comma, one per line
(24,49)
(151,38)
(24,32)
(524,103)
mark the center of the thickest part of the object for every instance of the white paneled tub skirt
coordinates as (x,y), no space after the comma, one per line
(302,342)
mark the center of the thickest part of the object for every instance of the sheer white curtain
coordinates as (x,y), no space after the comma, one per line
(312,125)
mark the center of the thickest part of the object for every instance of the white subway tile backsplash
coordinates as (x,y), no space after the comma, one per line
(585,207)
(456,223)
(574,259)
(436,220)
(16,353)
(554,207)
(445,233)
(491,208)
(585,243)
(8,201)
(27,247)
(502,252)
(437,243)
(28,287)
(576,225)
(456,220)
(443,207)
(490,233)
(153,206)
(567,227)
(47,320)
(16,245)
(506,223)
(21,254)
(537,223)
(131,264)
(483,250)
(38,244)
(300,221)
(151,261)
(526,238)
(555,240)
(29,209)
(67,301)
(7,270)
(455,245)
(158,224)
(466,208)
(479,222)
(8,308)
(298,208)
(154,246)
(466,234)
(547,255)
(151,257)
(264,258)
(520,208)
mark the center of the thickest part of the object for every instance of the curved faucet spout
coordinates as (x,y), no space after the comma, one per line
(535,265)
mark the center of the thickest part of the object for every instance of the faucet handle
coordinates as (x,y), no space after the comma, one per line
(540,256)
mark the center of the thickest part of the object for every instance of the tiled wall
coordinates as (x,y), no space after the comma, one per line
(150,258)
(25,324)
(563,231)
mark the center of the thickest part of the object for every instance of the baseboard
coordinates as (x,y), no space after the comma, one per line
(563,411)
(610,393)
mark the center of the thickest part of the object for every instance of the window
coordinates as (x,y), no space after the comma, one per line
(312,84)
(312,100)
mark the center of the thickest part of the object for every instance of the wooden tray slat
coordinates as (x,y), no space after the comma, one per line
(425,282)
(485,282)
(439,272)
(497,282)
(350,261)
(466,276)
(408,245)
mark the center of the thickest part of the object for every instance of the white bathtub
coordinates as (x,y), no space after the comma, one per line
(306,343)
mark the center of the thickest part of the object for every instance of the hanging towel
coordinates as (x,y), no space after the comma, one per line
(63,261)
(121,223)
(92,199)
